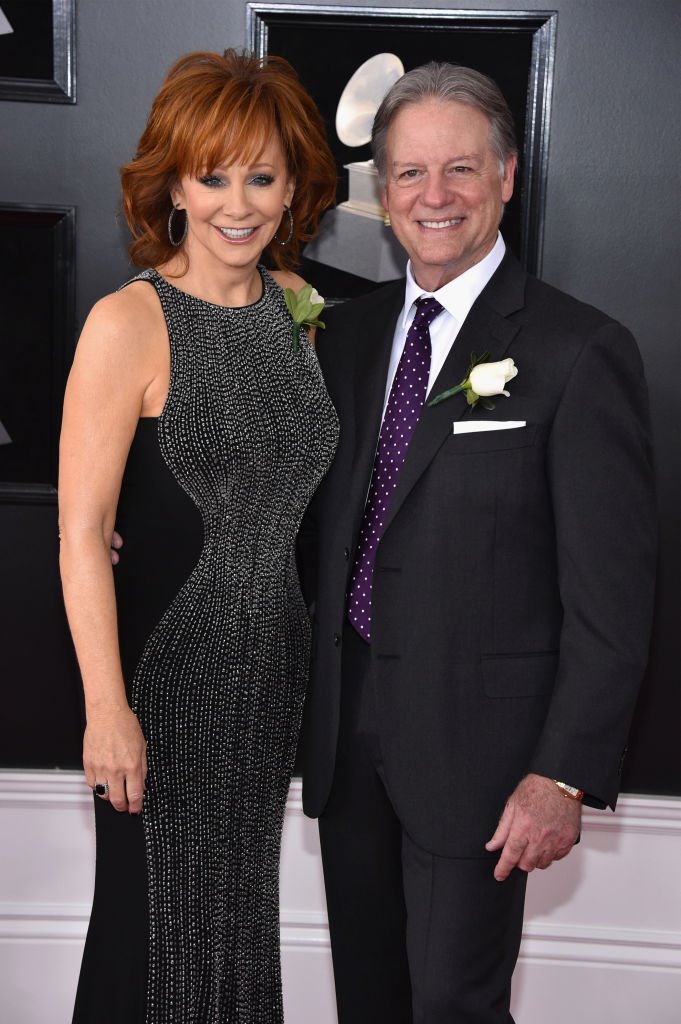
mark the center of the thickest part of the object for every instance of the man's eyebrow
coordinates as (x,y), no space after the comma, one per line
(451,160)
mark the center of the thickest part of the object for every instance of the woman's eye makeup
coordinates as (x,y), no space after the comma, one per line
(261,179)
(215,181)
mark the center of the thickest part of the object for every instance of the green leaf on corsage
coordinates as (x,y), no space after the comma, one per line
(304,307)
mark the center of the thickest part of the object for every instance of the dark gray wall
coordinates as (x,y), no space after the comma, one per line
(71,154)
(611,230)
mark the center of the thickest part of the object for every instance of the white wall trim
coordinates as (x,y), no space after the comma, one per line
(30,788)
(304,928)
(40,922)
(597,946)
(50,788)
(585,944)
(545,941)
(654,815)
(54,787)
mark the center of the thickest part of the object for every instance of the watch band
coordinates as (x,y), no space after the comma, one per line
(571,792)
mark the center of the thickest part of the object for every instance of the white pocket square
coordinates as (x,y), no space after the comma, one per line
(470,426)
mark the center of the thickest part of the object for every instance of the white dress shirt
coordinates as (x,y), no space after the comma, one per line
(456,297)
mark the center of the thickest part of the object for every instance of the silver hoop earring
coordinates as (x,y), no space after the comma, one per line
(170,228)
(290,227)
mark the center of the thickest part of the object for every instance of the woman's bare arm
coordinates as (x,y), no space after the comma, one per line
(118,370)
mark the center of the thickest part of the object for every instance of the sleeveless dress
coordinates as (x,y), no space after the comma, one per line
(214,638)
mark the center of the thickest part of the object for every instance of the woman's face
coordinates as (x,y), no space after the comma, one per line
(234,210)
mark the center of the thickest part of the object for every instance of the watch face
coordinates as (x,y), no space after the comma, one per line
(570,791)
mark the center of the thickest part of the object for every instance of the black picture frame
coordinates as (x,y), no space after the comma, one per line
(37,293)
(326,44)
(37,59)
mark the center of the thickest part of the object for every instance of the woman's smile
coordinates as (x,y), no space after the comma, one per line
(237,234)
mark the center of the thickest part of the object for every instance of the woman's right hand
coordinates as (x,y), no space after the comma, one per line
(115,753)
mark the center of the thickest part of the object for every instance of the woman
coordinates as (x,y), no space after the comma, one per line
(195,425)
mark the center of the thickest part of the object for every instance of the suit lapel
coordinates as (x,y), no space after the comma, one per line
(486,329)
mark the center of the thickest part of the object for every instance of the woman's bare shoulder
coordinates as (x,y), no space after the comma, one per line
(133,308)
(129,321)
(287,279)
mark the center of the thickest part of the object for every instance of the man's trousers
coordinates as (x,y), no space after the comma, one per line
(416,938)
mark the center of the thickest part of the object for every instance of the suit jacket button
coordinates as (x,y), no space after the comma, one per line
(346,554)
(336,640)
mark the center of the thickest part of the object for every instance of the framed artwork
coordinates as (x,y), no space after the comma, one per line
(37,50)
(37,302)
(328,45)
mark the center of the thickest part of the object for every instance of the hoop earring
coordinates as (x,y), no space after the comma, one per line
(170,228)
(290,227)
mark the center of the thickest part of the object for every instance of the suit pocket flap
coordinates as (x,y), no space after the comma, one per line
(521,675)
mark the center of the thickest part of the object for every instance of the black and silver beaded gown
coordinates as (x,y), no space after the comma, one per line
(214,642)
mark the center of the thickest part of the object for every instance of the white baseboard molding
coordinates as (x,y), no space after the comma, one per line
(43,922)
(304,928)
(584,944)
(589,944)
(653,814)
(557,943)
(543,941)
(32,790)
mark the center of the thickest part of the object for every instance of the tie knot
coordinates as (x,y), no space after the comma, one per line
(427,308)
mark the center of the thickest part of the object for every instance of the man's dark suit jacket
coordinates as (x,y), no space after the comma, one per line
(514,580)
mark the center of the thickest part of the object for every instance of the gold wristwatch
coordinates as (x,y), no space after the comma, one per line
(569,791)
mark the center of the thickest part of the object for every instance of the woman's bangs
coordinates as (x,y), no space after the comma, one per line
(239,138)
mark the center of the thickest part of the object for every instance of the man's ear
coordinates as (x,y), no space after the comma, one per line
(508,178)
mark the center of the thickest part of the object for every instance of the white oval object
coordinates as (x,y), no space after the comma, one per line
(362,97)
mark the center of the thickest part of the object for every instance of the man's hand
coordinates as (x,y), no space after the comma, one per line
(539,825)
(116,545)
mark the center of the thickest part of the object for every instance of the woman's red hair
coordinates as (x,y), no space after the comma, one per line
(214,109)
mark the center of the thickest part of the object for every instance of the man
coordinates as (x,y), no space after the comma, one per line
(484,578)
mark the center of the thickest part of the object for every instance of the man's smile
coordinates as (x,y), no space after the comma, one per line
(439,224)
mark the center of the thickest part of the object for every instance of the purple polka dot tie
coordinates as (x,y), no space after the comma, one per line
(407,395)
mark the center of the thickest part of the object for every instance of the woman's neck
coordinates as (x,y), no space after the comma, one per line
(223,286)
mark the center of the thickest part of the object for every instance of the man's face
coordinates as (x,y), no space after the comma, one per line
(444,191)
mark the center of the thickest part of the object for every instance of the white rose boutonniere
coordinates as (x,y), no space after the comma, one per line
(483,381)
(304,307)
(489,378)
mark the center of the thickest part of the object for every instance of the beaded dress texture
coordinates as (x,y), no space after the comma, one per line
(215,643)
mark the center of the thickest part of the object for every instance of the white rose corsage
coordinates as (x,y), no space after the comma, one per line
(483,381)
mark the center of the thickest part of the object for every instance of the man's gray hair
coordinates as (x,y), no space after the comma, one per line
(446,83)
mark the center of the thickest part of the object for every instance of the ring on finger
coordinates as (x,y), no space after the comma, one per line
(101,789)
